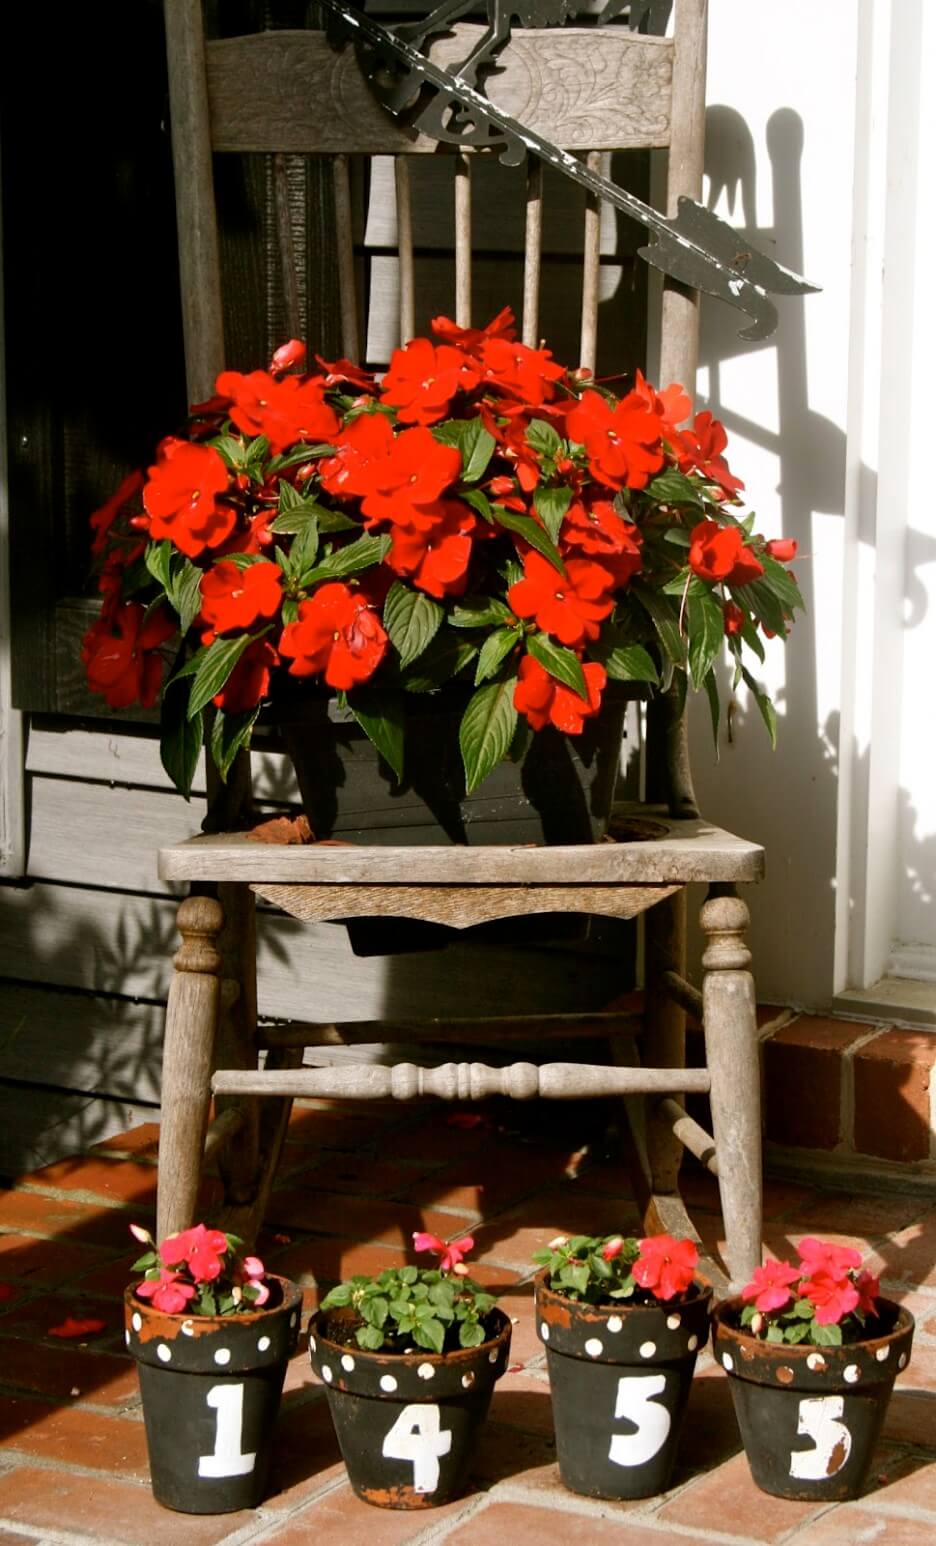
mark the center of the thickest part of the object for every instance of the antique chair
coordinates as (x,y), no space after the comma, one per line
(288,91)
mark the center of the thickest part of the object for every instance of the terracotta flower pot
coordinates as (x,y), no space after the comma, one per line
(407,1423)
(810,1416)
(620,1377)
(211,1387)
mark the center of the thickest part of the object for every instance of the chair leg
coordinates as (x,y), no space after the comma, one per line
(732,1055)
(237,1038)
(188,1054)
(664,1039)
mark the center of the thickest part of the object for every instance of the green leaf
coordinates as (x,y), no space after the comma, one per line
(303,552)
(337,1297)
(825,1336)
(624,662)
(494,650)
(748,1314)
(551,505)
(380,716)
(362,554)
(412,619)
(711,690)
(480,612)
(478,502)
(782,583)
(541,437)
(531,532)
(674,488)
(475,443)
(803,1308)
(486,730)
(664,619)
(297,456)
(798,1332)
(768,712)
(158,558)
(705,625)
(578,1277)
(228,734)
(678,536)
(471,1334)
(559,662)
(149,1260)
(774,1334)
(444,658)
(214,668)
(185,591)
(180,738)
(760,599)
(430,1333)
(370,1337)
(231,451)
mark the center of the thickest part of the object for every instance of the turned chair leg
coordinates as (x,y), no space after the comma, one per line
(730,1021)
(188,1053)
(664,1040)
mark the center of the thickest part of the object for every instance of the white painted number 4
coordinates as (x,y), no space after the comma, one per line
(417,1437)
(635,1402)
(819,1418)
(228,1458)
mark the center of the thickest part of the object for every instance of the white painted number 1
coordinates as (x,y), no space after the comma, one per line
(417,1437)
(228,1458)
(653,1422)
(819,1418)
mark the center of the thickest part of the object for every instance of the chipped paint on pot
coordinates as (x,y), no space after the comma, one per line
(211,1387)
(407,1423)
(810,1417)
(620,1375)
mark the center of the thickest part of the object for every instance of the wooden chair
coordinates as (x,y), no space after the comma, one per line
(289,91)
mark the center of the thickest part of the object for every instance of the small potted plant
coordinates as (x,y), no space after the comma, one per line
(211,1332)
(409,1360)
(622,1321)
(812,1351)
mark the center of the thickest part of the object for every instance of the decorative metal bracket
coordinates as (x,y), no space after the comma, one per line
(696,248)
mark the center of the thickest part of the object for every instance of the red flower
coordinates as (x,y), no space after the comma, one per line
(103,519)
(286,356)
(471,338)
(623,442)
(422,380)
(250,679)
(234,598)
(450,1256)
(405,484)
(831,1297)
(284,411)
(868,1289)
(366,438)
(169,1292)
(119,654)
(700,447)
(199,1248)
(782,548)
(671,406)
(665,1266)
(437,559)
(719,553)
(337,636)
(520,372)
(598,530)
(181,497)
(734,618)
(571,608)
(770,1286)
(824,1256)
(71,1327)
(545,701)
(337,371)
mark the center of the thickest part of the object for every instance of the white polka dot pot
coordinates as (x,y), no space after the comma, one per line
(809,1416)
(211,1387)
(407,1423)
(620,1375)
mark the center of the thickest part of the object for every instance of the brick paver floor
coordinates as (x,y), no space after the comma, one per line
(73,1467)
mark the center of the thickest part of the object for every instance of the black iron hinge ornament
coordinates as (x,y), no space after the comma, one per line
(696,247)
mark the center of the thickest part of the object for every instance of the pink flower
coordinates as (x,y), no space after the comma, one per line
(255,1270)
(613,1248)
(450,1256)
(823,1256)
(201,1249)
(831,1297)
(167,1292)
(770,1285)
(665,1266)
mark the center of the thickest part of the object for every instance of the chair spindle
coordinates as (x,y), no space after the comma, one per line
(347,290)
(404,214)
(533,253)
(463,239)
(588,351)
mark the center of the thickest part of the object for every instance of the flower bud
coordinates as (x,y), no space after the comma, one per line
(286,356)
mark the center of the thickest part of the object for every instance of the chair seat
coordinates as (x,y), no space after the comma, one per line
(684,851)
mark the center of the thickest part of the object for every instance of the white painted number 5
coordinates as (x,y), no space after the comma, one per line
(819,1418)
(228,1458)
(635,1402)
(417,1437)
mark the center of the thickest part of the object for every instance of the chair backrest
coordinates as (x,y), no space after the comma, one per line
(591,91)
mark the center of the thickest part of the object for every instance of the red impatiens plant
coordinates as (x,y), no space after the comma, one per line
(440,1308)
(822,1300)
(200,1271)
(482,516)
(595,1270)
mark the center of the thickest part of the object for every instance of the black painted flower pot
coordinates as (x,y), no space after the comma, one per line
(620,1377)
(211,1387)
(407,1423)
(811,1416)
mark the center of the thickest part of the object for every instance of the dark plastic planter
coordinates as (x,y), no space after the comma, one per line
(620,1377)
(211,1387)
(811,1416)
(407,1423)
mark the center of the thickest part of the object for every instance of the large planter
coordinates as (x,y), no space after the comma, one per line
(810,1416)
(211,1387)
(620,1377)
(407,1423)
